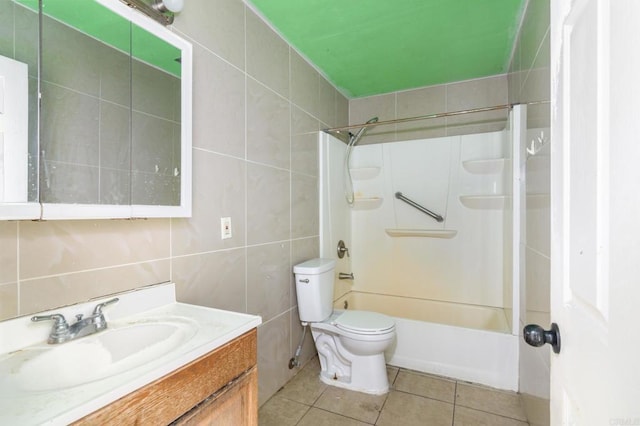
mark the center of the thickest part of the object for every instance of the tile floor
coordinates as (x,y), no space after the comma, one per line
(414,399)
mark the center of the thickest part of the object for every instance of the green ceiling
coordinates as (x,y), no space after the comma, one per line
(368,47)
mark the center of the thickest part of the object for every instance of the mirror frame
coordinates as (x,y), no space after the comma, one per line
(54,211)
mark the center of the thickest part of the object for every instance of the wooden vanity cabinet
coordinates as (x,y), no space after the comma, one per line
(234,405)
(218,388)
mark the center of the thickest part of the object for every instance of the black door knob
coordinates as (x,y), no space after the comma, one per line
(538,336)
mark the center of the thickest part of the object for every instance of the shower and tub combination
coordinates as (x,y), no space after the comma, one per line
(432,231)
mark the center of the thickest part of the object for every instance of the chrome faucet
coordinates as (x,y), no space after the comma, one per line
(63,332)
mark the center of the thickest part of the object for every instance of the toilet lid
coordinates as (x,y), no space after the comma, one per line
(364,322)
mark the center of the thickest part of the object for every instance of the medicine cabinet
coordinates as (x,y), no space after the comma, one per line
(95,112)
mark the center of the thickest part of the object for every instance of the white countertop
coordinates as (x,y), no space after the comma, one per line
(214,328)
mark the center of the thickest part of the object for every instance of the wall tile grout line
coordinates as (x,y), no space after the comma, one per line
(455,397)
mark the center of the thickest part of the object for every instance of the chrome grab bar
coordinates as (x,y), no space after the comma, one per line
(424,210)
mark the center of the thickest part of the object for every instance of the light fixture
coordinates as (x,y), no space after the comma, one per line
(174,6)
(160,10)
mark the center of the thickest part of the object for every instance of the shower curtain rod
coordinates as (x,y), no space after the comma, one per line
(425,117)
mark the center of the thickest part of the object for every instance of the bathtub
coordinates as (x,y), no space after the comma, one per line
(464,342)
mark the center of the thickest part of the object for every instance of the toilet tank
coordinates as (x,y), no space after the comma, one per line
(314,289)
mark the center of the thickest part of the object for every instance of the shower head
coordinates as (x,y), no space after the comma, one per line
(355,138)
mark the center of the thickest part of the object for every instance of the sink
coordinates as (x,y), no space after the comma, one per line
(149,336)
(120,348)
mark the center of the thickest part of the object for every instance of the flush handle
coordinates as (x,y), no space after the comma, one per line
(538,336)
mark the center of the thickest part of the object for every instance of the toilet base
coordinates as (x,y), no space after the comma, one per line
(373,384)
(352,360)
(366,374)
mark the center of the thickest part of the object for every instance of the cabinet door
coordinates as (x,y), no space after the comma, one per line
(236,404)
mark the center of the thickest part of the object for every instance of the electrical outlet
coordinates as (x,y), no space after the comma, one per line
(225,227)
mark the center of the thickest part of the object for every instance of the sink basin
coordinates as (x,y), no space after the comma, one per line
(120,348)
(149,336)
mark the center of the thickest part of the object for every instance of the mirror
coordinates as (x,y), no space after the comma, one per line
(18,111)
(112,137)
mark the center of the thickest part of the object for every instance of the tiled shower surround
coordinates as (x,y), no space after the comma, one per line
(450,97)
(257,107)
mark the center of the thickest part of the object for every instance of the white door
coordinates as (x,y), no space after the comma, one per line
(595,222)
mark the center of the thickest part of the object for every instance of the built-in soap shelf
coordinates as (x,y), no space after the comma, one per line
(367,203)
(425,233)
(486,202)
(363,173)
(488,166)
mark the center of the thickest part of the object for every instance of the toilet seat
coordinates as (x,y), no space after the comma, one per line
(364,322)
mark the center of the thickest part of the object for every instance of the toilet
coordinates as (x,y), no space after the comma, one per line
(350,343)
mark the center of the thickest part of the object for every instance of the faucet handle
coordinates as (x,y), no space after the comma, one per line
(60,328)
(98,309)
(342,249)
